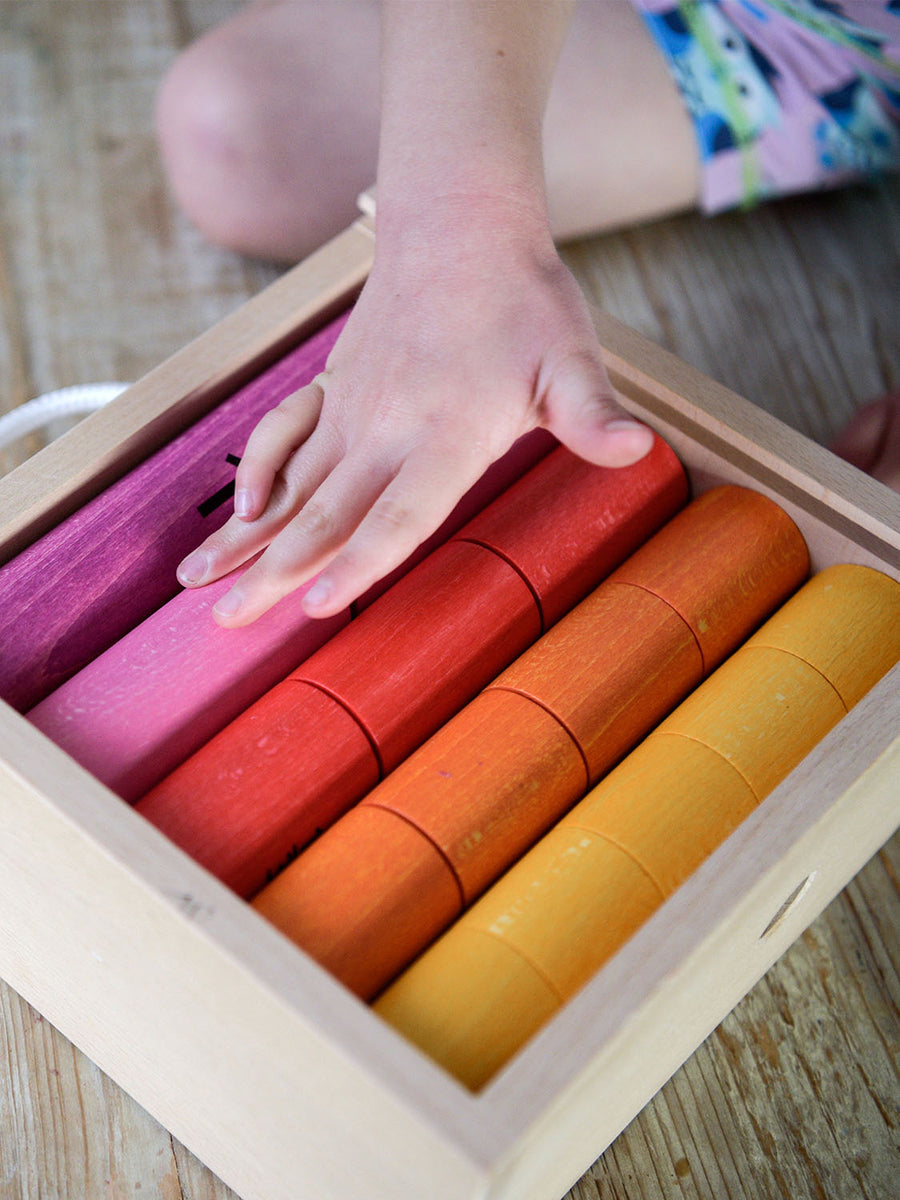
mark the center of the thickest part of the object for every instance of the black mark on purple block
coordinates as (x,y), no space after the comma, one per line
(224,493)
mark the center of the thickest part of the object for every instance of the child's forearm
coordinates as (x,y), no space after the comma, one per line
(464,87)
(469,332)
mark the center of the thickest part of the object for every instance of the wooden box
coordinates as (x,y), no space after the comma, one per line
(274,1075)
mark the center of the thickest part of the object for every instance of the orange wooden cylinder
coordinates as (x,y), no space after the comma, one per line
(693,592)
(569,903)
(609,671)
(752,556)
(398,888)
(485,787)
(344,899)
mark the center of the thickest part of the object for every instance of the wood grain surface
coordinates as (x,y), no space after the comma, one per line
(796,306)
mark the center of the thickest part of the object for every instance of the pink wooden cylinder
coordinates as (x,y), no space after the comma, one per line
(136,712)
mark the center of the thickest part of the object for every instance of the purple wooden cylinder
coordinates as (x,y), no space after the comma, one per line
(100,572)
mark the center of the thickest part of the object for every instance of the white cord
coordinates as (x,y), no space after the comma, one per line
(64,402)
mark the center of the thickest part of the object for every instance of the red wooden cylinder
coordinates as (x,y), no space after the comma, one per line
(244,806)
(566,524)
(427,647)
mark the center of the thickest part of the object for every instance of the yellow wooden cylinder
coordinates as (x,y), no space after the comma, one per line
(469,1002)
(670,803)
(580,899)
(845,622)
(762,711)
(574,899)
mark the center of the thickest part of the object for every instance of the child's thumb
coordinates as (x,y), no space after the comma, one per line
(582,412)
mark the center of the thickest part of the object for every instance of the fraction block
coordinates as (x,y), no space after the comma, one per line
(569,903)
(859,601)
(609,671)
(245,843)
(489,782)
(70,595)
(485,786)
(502,757)
(694,791)
(503,969)
(445,631)
(474,1026)
(412,660)
(568,523)
(771,692)
(392,862)
(430,643)
(136,712)
(748,563)
(698,587)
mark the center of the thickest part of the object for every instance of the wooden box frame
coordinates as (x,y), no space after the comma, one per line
(274,1075)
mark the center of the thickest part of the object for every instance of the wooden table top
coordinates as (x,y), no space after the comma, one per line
(796,306)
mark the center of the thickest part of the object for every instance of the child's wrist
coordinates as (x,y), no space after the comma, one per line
(461,208)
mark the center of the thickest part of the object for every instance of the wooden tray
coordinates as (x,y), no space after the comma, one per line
(277,1078)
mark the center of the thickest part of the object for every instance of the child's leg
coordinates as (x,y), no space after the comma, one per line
(269,125)
(619,146)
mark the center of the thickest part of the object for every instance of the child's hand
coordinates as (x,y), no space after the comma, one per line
(456,347)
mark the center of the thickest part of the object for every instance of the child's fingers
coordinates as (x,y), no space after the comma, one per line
(239,538)
(306,542)
(583,413)
(274,439)
(409,509)
(225,550)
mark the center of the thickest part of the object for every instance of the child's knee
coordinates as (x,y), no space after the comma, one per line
(208,122)
(268,126)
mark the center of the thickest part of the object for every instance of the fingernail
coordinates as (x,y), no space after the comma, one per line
(243,502)
(229,603)
(318,594)
(193,569)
